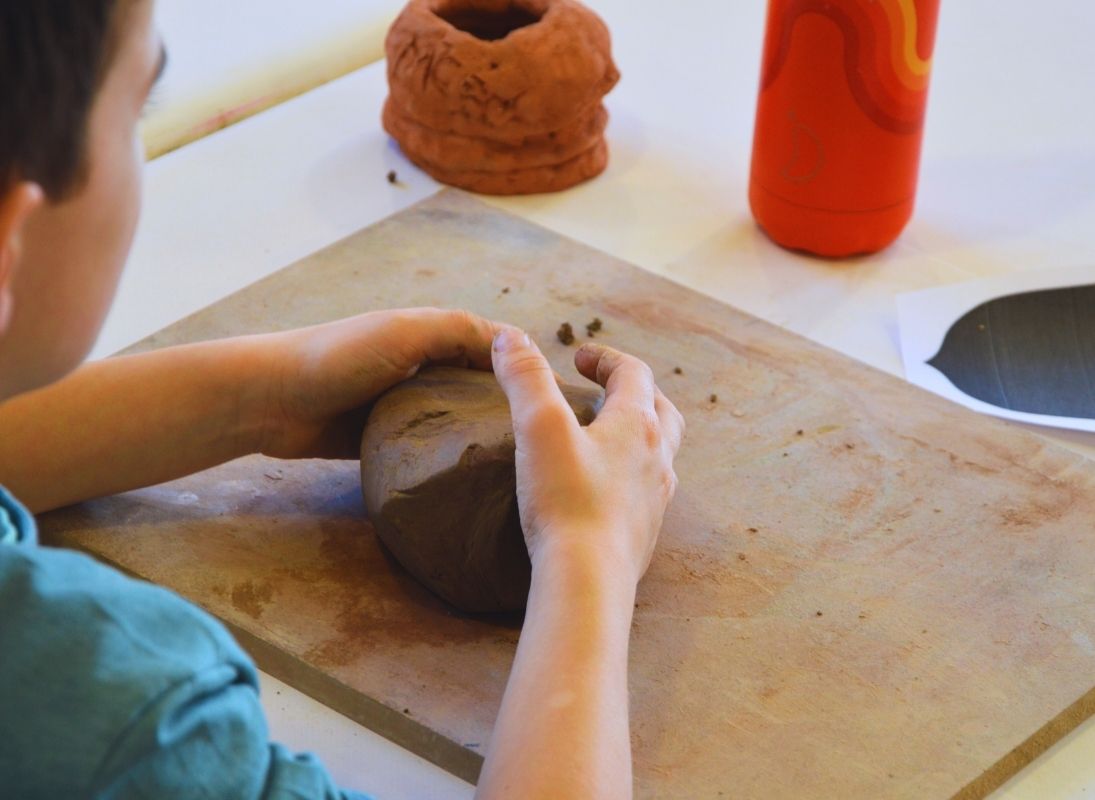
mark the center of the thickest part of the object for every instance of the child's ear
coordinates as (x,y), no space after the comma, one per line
(16,206)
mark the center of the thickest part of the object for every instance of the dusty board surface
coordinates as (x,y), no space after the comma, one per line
(950,555)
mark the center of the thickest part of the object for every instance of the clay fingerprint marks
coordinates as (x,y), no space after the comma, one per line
(887,54)
(434,68)
(429,65)
(1032,352)
(478,102)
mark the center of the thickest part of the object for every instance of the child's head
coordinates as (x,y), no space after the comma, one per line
(74,76)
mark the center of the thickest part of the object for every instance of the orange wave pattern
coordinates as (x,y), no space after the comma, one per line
(887,53)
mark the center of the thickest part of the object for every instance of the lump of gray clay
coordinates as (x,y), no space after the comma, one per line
(437,470)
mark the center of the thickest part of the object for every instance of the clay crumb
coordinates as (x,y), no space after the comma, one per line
(594,327)
(393,179)
(678,371)
(505,290)
(565,333)
(799,432)
(714,398)
(741,557)
(819,613)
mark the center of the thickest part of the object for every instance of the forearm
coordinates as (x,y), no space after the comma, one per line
(131,421)
(562,730)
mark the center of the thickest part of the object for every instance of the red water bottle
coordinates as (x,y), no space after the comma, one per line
(840,117)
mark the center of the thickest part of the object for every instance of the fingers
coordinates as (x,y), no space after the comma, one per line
(629,386)
(671,421)
(628,382)
(450,337)
(539,411)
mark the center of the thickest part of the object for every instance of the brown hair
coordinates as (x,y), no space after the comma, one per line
(54,55)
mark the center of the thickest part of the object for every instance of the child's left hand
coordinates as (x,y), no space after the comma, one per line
(321,379)
(137,420)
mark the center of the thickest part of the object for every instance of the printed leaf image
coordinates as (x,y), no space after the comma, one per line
(1032,352)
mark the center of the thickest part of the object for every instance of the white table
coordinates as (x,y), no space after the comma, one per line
(1008,183)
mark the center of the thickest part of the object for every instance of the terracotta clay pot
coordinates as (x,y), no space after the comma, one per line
(500,96)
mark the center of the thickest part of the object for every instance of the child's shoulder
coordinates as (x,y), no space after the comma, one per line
(57,604)
(114,687)
(54,600)
(94,664)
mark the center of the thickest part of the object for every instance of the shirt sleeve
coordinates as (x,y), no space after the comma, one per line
(113,688)
(207,738)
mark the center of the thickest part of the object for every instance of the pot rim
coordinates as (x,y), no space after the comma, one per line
(550,10)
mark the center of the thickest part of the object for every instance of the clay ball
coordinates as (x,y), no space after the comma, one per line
(500,96)
(438,475)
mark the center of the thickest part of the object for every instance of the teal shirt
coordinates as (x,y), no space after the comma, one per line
(114,688)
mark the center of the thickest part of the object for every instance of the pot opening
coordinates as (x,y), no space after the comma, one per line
(487,24)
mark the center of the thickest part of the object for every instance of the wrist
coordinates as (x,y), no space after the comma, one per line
(586,567)
(247,384)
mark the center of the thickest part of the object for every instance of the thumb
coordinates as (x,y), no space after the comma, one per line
(535,400)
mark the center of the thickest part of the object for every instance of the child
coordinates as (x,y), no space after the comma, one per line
(113,688)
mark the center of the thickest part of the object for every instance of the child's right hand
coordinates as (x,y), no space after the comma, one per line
(595,494)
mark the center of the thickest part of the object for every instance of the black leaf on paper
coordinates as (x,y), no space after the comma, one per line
(1031,352)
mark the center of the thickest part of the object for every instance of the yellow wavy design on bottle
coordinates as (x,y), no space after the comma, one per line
(912,70)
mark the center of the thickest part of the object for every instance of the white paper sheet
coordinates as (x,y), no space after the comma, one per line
(925,316)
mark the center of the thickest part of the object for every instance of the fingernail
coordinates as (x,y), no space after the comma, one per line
(508,338)
(592,348)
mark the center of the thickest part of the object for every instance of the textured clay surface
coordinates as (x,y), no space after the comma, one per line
(437,471)
(500,96)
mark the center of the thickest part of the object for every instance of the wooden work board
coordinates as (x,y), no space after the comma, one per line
(860,591)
